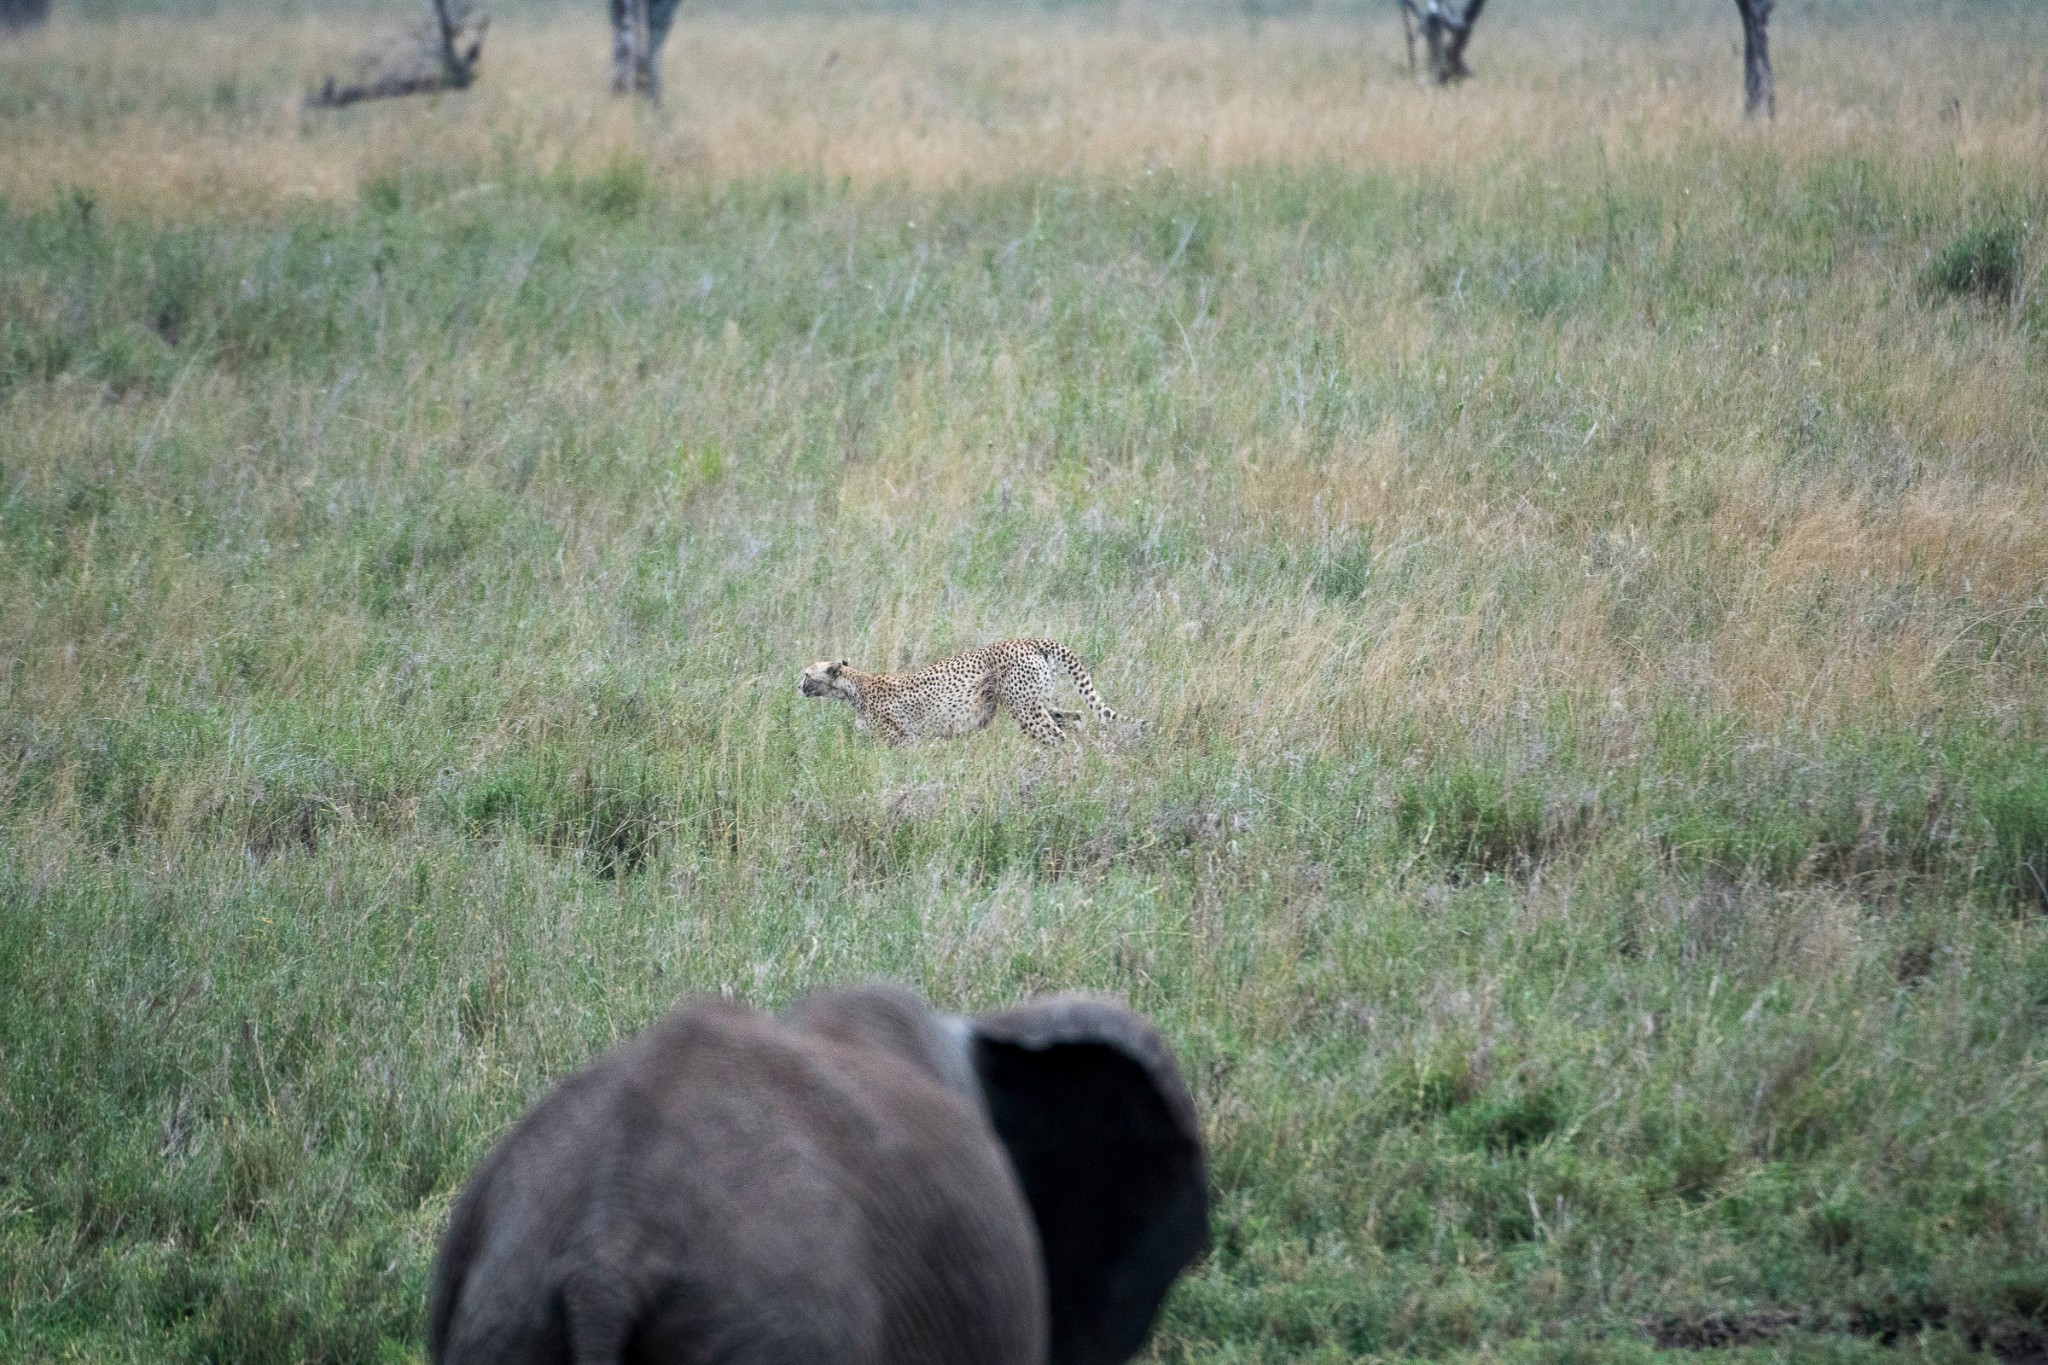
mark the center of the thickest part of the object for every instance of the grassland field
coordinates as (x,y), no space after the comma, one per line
(1583,558)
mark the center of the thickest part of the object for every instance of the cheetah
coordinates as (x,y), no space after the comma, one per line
(958,695)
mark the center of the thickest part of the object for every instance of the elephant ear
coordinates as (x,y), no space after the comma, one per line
(1088,1101)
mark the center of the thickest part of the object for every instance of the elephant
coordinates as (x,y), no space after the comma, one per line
(859,1179)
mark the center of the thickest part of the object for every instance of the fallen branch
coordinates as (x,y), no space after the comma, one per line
(444,58)
(333,96)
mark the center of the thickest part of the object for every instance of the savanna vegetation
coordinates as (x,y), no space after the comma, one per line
(1583,558)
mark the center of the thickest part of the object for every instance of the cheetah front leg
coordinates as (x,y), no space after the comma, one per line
(883,727)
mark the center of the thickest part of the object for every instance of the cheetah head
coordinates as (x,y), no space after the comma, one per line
(827,679)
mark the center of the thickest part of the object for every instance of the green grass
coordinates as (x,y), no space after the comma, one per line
(1591,856)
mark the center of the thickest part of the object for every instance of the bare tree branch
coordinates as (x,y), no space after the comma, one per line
(1759,89)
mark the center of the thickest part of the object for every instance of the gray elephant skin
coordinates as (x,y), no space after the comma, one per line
(859,1179)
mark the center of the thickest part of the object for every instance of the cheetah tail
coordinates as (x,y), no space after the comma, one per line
(1084,684)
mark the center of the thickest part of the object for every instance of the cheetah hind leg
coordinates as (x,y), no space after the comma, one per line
(1065,718)
(1041,723)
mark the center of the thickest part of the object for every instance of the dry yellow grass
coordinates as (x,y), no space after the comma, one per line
(205,116)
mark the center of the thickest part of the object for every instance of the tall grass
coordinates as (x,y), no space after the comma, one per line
(1592,848)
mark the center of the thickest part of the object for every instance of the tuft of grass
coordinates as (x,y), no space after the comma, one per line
(1987,261)
(1345,572)
(1471,820)
(614,817)
(619,189)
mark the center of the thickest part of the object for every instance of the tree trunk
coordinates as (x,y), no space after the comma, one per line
(1759,90)
(623,47)
(660,14)
(636,38)
(20,14)
(456,67)
(1454,68)
(1446,29)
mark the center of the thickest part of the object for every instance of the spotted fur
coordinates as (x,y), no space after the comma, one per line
(958,695)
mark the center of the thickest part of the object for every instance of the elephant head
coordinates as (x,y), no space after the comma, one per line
(859,1179)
